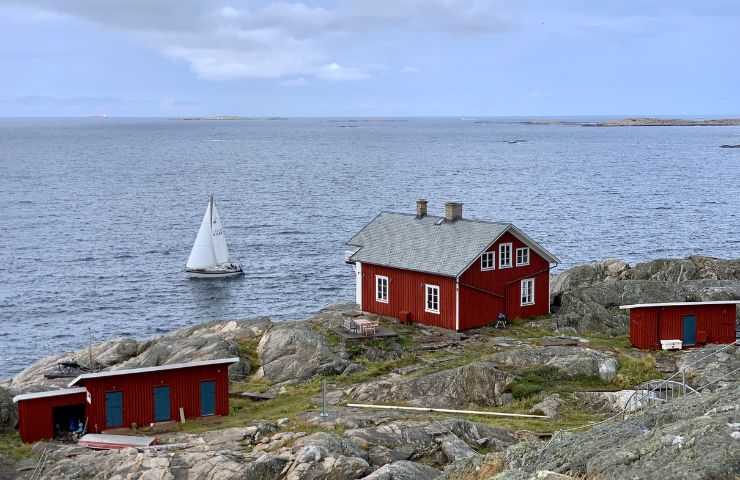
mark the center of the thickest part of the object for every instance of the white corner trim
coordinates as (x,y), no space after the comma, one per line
(457,304)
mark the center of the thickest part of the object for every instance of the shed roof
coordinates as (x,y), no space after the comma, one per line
(680,304)
(430,244)
(160,368)
(48,393)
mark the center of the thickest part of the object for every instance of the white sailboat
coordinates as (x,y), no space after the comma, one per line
(209,257)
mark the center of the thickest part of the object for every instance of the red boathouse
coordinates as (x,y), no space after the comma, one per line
(449,271)
(124,398)
(693,323)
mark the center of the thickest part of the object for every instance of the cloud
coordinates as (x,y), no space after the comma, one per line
(336,72)
(284,39)
(410,69)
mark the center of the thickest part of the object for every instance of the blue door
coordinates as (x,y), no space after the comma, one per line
(114,409)
(689,329)
(161,404)
(207,398)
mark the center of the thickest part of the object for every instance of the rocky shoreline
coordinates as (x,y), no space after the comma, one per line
(574,366)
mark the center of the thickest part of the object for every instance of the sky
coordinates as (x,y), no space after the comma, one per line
(369,58)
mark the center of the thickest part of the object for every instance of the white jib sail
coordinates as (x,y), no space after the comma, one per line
(220,249)
(202,255)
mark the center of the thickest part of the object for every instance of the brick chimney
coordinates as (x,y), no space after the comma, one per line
(421,208)
(453,211)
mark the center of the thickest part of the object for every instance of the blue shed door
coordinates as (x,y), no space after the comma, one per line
(161,404)
(689,329)
(207,398)
(113,409)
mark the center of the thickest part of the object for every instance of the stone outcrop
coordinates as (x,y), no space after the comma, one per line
(207,341)
(586,297)
(549,406)
(404,470)
(8,411)
(479,383)
(418,450)
(695,437)
(294,351)
(571,361)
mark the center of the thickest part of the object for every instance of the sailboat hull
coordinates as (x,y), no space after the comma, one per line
(213,273)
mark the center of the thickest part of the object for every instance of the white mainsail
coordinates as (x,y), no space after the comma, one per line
(203,255)
(220,249)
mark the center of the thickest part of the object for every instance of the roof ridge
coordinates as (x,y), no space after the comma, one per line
(472,220)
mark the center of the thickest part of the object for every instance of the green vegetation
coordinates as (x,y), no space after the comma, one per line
(538,380)
(527,328)
(374,369)
(635,370)
(248,350)
(12,447)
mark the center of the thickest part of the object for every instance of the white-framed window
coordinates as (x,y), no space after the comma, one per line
(527,290)
(522,256)
(488,261)
(504,255)
(381,288)
(431,298)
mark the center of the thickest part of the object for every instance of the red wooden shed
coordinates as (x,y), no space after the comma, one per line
(449,271)
(128,397)
(693,323)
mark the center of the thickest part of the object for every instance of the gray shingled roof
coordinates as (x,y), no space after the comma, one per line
(429,244)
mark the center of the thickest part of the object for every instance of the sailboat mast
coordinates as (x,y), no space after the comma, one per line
(210,211)
(210,226)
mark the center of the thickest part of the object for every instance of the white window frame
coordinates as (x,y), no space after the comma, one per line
(431,288)
(501,257)
(492,257)
(523,249)
(526,281)
(378,279)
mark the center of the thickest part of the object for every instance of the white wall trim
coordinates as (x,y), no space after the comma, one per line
(457,304)
(358,284)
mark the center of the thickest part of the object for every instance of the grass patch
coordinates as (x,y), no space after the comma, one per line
(635,370)
(621,342)
(12,447)
(374,369)
(544,380)
(297,400)
(248,350)
(528,328)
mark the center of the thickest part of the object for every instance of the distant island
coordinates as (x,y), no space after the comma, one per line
(229,118)
(644,122)
(668,122)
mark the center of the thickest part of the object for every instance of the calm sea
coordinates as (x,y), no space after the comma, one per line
(98,216)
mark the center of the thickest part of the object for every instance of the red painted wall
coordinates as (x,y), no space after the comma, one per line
(35,416)
(651,324)
(406,293)
(478,308)
(138,394)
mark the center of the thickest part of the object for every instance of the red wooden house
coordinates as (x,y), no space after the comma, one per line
(449,271)
(122,398)
(693,323)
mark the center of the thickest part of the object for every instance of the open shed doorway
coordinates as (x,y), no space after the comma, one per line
(69,421)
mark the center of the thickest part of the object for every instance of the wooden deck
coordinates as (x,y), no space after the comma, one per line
(380,332)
